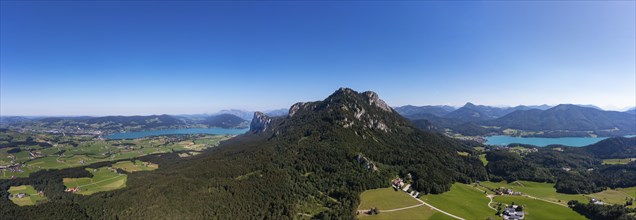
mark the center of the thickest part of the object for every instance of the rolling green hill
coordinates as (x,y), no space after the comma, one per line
(569,118)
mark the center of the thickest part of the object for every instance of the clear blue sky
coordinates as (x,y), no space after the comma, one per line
(153,57)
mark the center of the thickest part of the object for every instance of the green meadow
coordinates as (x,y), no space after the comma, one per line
(420,212)
(537,209)
(385,198)
(618,161)
(389,199)
(104,179)
(32,197)
(615,196)
(540,190)
(462,200)
(138,165)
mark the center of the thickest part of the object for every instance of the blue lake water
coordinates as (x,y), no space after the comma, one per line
(140,134)
(542,142)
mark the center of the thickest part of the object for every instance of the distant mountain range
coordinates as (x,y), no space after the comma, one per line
(232,118)
(247,115)
(470,119)
(109,124)
(567,117)
(560,120)
(437,110)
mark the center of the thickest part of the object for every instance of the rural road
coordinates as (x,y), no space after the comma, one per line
(100,181)
(532,197)
(490,197)
(418,205)
(392,210)
(436,209)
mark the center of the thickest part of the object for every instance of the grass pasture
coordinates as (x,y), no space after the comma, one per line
(32,197)
(618,161)
(388,199)
(631,191)
(385,199)
(537,209)
(420,212)
(483,159)
(540,190)
(138,165)
(462,200)
(104,179)
(613,196)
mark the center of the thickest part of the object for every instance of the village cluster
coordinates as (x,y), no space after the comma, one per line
(513,212)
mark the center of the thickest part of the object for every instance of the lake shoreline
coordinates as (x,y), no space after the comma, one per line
(503,140)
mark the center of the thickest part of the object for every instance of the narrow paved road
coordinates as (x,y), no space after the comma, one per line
(532,197)
(413,206)
(120,175)
(410,207)
(490,197)
(392,210)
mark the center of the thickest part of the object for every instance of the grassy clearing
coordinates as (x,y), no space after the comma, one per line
(465,154)
(420,212)
(138,165)
(385,199)
(613,196)
(618,161)
(537,209)
(464,201)
(104,179)
(309,208)
(631,191)
(32,196)
(540,190)
(483,159)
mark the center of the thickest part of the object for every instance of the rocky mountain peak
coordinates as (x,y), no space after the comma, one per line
(469,105)
(298,106)
(260,122)
(375,100)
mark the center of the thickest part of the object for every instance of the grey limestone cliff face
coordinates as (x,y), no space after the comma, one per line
(375,100)
(298,106)
(260,122)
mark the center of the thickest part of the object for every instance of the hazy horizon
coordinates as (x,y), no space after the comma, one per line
(274,109)
(198,57)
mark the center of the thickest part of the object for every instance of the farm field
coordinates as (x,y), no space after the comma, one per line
(59,152)
(631,191)
(537,209)
(614,196)
(464,201)
(389,199)
(385,198)
(540,190)
(420,212)
(104,179)
(138,165)
(32,197)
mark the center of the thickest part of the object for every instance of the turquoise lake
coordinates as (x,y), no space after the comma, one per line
(542,142)
(140,134)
